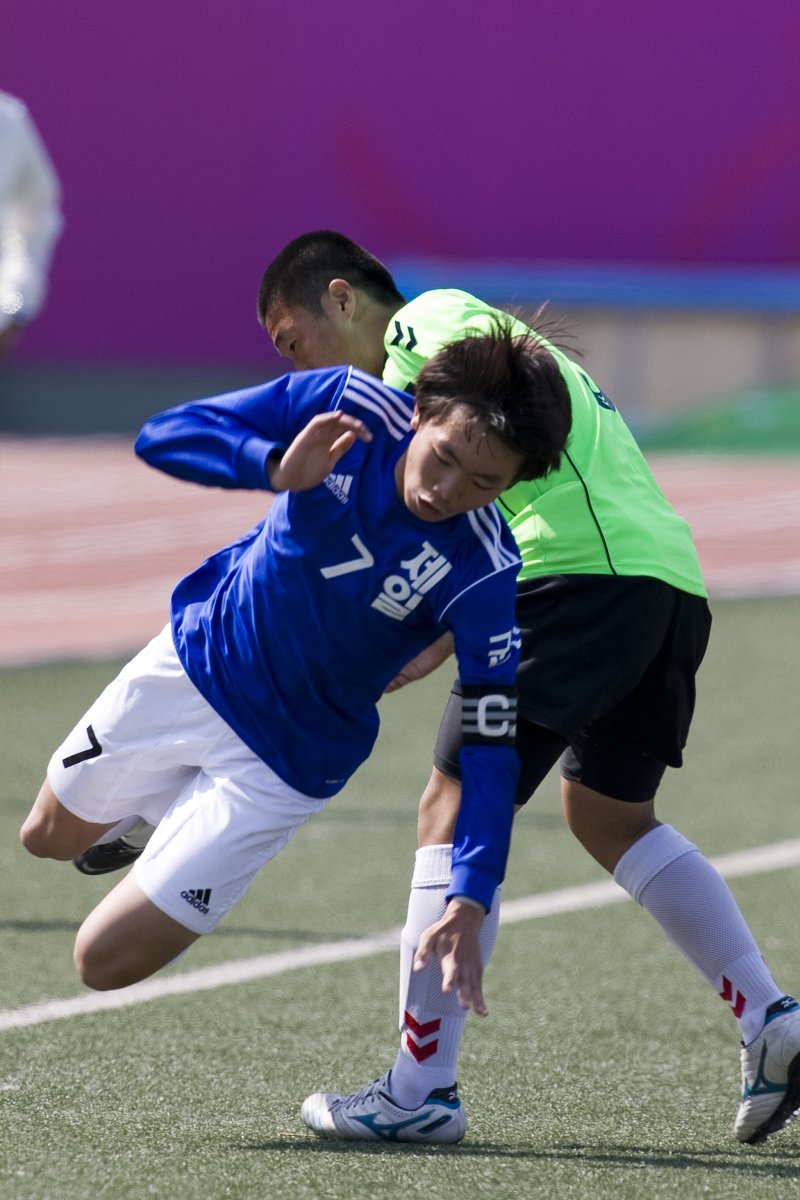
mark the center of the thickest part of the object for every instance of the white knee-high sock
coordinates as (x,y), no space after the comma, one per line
(431,1022)
(694,906)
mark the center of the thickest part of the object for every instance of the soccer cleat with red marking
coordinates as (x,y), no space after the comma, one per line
(771,1075)
(372,1115)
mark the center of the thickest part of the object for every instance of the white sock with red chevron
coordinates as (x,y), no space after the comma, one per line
(431,1023)
(694,906)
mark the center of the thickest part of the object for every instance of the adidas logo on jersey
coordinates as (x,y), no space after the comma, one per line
(198,898)
(340,486)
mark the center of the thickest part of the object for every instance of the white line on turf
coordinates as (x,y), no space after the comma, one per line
(756,861)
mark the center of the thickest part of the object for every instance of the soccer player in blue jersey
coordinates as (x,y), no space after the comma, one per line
(258,701)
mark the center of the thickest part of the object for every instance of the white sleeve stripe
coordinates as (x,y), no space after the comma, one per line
(482,520)
(489,575)
(364,393)
(401,404)
(343,389)
(397,412)
(394,432)
(497,523)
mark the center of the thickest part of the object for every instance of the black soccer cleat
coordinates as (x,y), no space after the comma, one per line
(117,854)
(110,856)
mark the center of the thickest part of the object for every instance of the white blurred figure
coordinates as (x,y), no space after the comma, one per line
(30,220)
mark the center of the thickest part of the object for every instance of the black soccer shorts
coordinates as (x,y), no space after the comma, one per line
(606,683)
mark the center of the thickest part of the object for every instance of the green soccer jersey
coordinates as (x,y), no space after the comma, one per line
(601,512)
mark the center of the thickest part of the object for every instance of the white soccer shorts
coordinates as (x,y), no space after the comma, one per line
(151,746)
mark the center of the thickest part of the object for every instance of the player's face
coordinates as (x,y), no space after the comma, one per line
(445,472)
(311,340)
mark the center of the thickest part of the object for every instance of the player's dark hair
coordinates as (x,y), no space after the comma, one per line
(513,386)
(300,274)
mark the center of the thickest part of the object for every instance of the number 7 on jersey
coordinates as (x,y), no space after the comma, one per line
(361,563)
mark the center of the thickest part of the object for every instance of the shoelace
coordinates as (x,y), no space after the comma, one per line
(366,1093)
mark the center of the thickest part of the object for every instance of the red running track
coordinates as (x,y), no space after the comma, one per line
(92,541)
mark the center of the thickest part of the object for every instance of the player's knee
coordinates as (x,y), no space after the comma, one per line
(40,840)
(101,967)
(50,831)
(604,826)
(29,836)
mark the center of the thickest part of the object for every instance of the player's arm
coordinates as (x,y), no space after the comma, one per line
(255,438)
(427,661)
(489,773)
(487,648)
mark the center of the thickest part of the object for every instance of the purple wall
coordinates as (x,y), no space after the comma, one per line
(194,139)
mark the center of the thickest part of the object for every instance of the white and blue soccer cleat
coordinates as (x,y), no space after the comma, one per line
(771,1075)
(372,1115)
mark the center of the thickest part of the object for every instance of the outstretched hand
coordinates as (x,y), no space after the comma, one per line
(454,942)
(315,451)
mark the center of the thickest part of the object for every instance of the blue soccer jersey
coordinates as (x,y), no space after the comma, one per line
(293,632)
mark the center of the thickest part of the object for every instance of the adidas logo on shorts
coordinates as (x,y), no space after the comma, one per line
(198,898)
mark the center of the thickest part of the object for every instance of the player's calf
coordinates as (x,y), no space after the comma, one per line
(126,938)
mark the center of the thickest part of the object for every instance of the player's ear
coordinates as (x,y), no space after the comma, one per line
(415,419)
(340,299)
